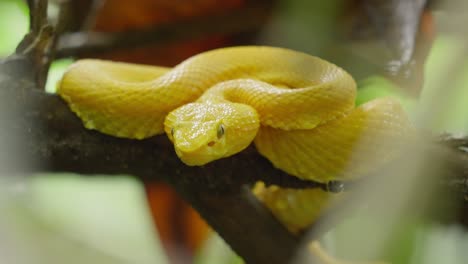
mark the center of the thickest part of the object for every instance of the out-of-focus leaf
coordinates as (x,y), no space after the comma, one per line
(56,71)
(14,24)
(378,86)
(447,90)
(70,219)
(399,249)
(441,244)
(215,251)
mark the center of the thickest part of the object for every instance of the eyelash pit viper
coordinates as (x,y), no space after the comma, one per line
(297,109)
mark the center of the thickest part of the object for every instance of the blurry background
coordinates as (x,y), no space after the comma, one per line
(73,219)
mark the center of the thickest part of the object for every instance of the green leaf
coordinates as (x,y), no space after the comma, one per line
(378,86)
(56,71)
(14,24)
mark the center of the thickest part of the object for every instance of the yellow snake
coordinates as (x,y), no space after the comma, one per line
(297,109)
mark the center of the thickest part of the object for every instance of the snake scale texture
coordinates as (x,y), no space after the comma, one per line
(299,111)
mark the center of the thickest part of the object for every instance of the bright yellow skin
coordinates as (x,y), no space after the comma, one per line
(297,209)
(298,109)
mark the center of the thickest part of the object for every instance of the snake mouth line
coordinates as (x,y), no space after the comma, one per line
(196,159)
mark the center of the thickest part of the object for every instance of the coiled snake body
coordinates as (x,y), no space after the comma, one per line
(298,109)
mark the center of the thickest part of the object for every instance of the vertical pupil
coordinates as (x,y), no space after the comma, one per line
(220,131)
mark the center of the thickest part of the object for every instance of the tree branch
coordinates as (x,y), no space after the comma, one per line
(37,14)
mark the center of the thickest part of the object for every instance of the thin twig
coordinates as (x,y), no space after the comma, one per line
(37,43)
(90,19)
(48,53)
(37,15)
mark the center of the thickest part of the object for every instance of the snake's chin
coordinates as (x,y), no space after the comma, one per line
(200,157)
(205,148)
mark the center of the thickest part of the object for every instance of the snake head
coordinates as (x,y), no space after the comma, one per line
(203,132)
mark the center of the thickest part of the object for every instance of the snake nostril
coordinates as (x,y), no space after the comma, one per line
(211,143)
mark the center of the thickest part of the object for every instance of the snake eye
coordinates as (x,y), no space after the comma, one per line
(172,132)
(220,131)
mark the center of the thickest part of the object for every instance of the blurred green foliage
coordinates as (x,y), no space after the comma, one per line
(70,219)
(56,71)
(14,24)
(445,95)
(378,86)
